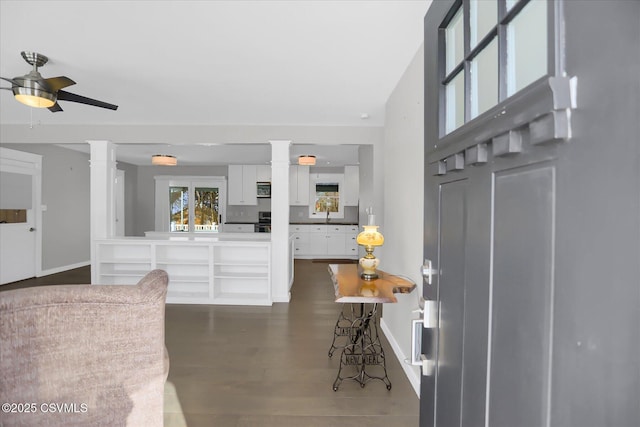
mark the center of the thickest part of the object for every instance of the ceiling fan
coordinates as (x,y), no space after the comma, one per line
(35,91)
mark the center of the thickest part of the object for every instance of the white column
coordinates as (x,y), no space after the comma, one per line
(102,198)
(280,255)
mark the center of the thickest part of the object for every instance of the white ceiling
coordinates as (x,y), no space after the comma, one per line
(168,62)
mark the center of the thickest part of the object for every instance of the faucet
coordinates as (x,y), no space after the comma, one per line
(327,220)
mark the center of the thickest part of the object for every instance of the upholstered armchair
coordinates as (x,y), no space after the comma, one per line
(84,355)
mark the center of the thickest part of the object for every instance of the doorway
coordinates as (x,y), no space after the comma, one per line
(20,215)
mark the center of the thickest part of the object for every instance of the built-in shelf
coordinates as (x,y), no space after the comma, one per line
(200,272)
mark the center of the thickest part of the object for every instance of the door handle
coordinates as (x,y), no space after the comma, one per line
(429,312)
(32,229)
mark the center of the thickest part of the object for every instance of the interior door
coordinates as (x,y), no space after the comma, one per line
(526,335)
(19,197)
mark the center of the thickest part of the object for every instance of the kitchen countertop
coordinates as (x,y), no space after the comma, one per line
(323,223)
(298,223)
(242,222)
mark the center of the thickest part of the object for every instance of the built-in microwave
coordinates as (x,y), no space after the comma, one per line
(264,190)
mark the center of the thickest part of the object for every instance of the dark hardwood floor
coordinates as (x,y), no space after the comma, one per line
(236,366)
(77,276)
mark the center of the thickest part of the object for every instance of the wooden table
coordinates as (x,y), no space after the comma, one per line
(357,324)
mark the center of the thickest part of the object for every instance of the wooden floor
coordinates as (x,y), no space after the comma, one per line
(268,366)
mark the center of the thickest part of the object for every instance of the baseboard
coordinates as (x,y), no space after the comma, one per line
(281,298)
(409,372)
(63,268)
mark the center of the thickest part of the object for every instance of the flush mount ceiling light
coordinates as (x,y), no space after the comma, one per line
(164,160)
(307,160)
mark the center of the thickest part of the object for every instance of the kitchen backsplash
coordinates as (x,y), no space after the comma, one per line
(301,214)
(249,214)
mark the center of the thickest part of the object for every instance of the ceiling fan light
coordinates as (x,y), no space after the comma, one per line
(164,160)
(34,97)
(307,160)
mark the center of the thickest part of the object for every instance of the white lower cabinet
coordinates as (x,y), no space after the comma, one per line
(238,228)
(301,244)
(200,272)
(324,240)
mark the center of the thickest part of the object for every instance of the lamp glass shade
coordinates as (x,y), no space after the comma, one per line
(370,236)
(163,160)
(307,160)
(35,100)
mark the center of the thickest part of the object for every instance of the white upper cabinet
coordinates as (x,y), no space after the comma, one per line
(298,185)
(242,185)
(263,173)
(351,185)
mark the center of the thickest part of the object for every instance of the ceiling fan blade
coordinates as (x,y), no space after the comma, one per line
(55,108)
(13,82)
(57,83)
(67,96)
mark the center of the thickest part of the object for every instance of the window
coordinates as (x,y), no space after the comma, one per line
(492,49)
(206,208)
(179,202)
(327,197)
(190,204)
(325,200)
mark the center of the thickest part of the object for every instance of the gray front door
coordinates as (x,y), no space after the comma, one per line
(532,217)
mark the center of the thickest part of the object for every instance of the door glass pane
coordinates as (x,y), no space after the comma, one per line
(15,191)
(527,46)
(510,4)
(179,208)
(11,216)
(483,16)
(484,79)
(454,42)
(206,209)
(454,100)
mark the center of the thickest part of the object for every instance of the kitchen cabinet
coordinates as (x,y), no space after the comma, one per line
(324,240)
(351,185)
(336,243)
(299,185)
(239,228)
(263,173)
(242,185)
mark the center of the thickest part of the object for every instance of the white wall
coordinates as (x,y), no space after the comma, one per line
(403,165)
(65,192)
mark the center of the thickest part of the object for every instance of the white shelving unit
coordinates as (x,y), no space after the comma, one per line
(189,270)
(236,272)
(241,273)
(124,264)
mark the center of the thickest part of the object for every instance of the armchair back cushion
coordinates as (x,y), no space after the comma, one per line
(84,355)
